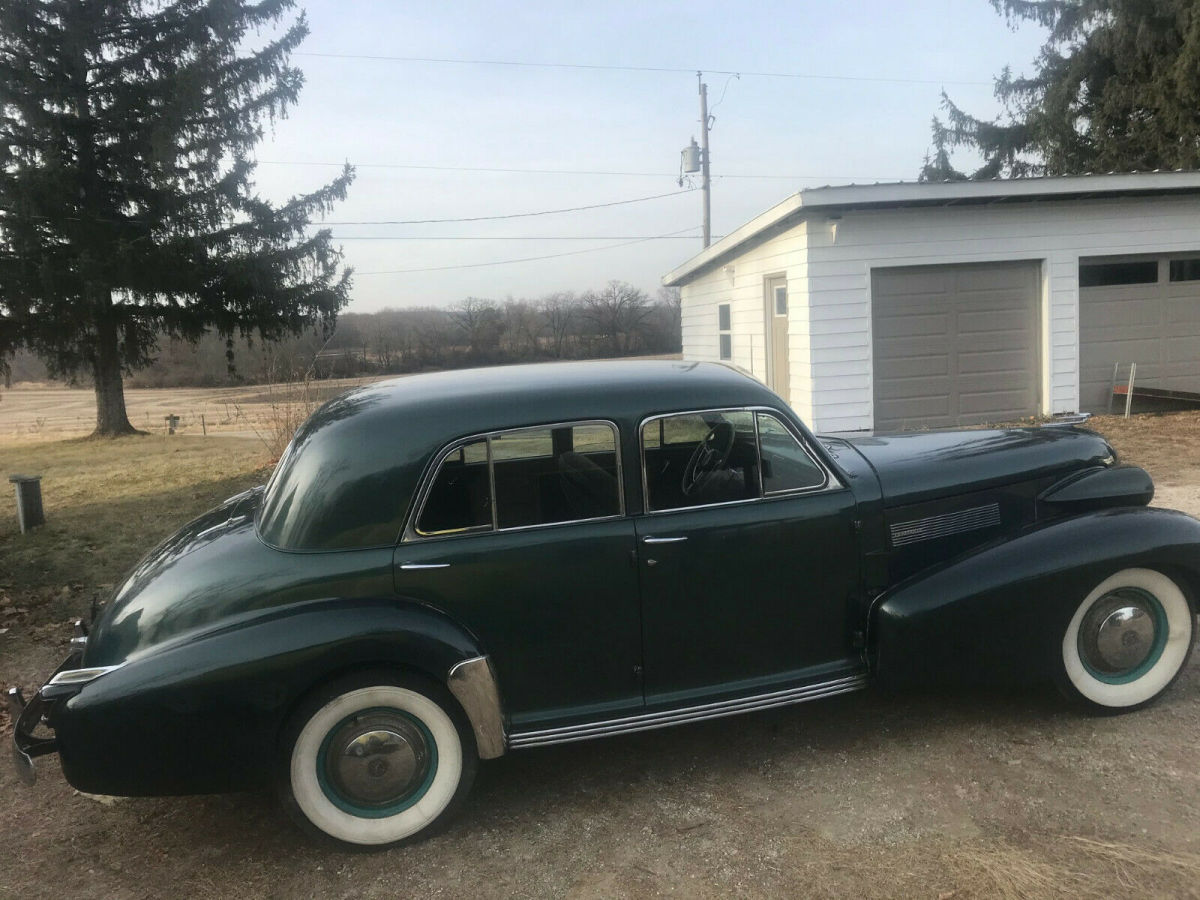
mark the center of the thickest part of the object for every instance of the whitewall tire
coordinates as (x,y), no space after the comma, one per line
(376,760)
(1127,641)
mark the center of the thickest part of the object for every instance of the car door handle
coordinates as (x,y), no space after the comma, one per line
(663,540)
(409,567)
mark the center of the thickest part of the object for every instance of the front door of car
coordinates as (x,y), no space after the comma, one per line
(521,539)
(748,558)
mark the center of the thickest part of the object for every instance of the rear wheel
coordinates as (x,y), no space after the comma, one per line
(1128,641)
(376,760)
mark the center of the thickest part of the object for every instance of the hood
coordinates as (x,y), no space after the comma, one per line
(920,466)
(215,571)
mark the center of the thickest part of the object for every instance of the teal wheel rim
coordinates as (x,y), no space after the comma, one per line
(388,720)
(1113,608)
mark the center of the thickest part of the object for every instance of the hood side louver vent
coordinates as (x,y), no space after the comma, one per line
(931,527)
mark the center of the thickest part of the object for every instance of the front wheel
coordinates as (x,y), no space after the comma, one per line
(1127,642)
(376,760)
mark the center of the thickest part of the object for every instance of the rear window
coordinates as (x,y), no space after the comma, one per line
(340,485)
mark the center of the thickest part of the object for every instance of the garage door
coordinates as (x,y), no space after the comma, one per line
(955,345)
(1138,311)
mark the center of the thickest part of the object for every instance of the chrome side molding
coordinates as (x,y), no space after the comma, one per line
(665,718)
(945,524)
(473,683)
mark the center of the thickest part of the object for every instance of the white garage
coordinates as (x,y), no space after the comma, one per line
(1140,310)
(896,306)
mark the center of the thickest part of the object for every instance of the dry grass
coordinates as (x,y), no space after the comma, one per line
(1160,442)
(107,502)
(1072,866)
(284,410)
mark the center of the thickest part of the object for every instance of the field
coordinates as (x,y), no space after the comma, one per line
(33,413)
(923,795)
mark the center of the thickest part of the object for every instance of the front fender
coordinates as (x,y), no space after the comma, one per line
(203,714)
(998,614)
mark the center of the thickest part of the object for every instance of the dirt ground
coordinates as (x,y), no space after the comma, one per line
(869,795)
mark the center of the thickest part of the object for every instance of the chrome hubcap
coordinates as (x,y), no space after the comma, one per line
(1118,634)
(377,759)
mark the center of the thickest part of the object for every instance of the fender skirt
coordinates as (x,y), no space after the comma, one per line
(998,614)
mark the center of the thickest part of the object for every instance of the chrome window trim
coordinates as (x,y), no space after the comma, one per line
(831,482)
(410,533)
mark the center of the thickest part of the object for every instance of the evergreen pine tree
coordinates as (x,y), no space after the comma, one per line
(127,209)
(1116,88)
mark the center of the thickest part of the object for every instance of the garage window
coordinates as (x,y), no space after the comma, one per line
(1111,274)
(724,324)
(1185,270)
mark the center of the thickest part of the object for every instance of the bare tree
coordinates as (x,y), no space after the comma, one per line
(616,314)
(560,313)
(522,329)
(481,324)
(671,300)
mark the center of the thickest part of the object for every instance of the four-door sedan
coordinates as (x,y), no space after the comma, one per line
(448,567)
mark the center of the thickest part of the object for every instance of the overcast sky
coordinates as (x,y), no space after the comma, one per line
(383,115)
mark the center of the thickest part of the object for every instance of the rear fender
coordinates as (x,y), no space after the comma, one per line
(203,714)
(998,614)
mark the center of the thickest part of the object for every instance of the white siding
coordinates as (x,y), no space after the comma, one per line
(1056,233)
(741,285)
(829,265)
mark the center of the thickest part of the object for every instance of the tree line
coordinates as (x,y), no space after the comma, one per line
(617,320)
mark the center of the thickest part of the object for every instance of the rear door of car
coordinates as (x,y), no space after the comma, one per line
(746,581)
(521,537)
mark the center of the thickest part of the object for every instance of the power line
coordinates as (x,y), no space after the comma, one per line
(521,171)
(505,262)
(524,215)
(819,76)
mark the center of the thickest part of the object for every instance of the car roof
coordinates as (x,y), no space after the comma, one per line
(511,396)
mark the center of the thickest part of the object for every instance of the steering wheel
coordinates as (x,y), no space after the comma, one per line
(708,458)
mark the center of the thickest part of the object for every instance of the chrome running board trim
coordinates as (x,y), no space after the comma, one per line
(665,718)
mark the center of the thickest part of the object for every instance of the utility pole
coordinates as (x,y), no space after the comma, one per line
(704,157)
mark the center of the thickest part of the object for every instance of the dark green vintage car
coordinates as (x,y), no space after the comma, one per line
(448,567)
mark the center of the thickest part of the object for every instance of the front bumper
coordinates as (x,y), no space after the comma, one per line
(27,716)
(25,744)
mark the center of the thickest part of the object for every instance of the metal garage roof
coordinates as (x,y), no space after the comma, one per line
(947,193)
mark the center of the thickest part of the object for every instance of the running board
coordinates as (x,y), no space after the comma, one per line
(666,718)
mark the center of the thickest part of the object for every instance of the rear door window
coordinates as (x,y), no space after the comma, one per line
(460,496)
(526,477)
